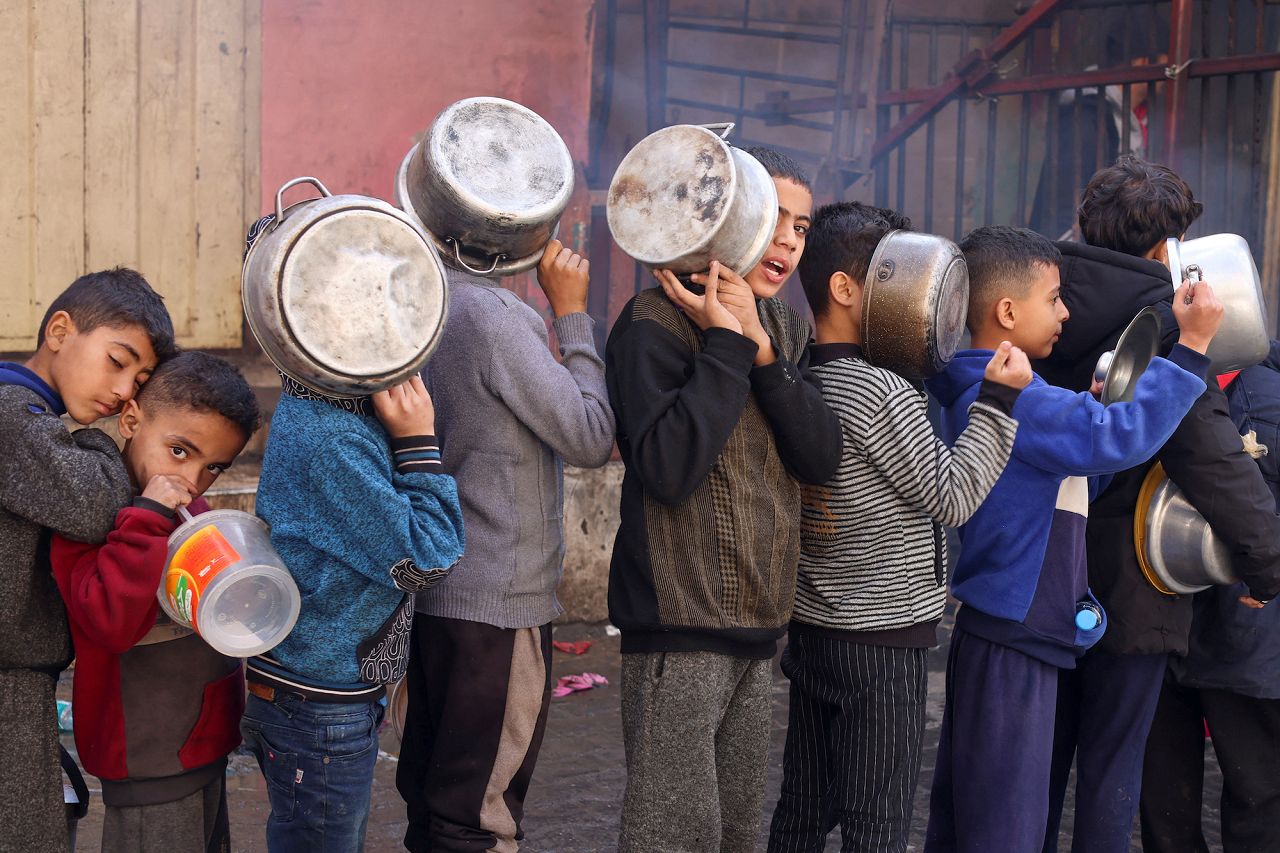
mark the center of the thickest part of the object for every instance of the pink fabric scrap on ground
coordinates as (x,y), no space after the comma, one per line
(574,683)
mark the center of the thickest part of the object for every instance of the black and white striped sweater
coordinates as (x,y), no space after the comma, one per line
(873,555)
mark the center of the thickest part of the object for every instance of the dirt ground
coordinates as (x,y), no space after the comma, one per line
(574,802)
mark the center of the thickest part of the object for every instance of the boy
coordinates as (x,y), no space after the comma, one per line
(364,517)
(157,709)
(1127,212)
(480,667)
(1021,574)
(719,421)
(867,611)
(1229,681)
(98,342)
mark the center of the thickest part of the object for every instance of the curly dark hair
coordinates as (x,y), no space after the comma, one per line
(206,383)
(1132,206)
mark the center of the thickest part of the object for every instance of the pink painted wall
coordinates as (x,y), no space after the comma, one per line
(346,87)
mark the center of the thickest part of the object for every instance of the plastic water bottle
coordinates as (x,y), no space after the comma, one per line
(64,715)
(1088,616)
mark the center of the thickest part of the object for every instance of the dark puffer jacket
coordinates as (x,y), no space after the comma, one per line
(1234,647)
(1205,458)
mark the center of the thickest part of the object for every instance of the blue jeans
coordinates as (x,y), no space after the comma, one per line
(318,761)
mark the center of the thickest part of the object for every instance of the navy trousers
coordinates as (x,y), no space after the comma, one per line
(1105,708)
(991,782)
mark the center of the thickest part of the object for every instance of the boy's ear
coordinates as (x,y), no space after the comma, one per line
(1006,313)
(130,419)
(59,328)
(843,289)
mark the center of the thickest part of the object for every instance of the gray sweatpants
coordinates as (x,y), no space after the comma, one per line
(197,823)
(695,726)
(32,816)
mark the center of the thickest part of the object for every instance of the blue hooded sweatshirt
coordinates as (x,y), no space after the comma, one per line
(1022,571)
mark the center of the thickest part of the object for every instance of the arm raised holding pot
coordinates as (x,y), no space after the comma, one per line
(565,403)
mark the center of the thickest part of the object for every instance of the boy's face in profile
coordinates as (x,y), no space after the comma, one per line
(97,372)
(193,444)
(1039,314)
(795,212)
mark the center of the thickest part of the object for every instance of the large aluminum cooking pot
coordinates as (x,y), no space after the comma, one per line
(914,303)
(488,183)
(683,197)
(344,293)
(1120,368)
(1177,550)
(1224,260)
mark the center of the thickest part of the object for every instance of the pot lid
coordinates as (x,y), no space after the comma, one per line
(362,293)
(1138,344)
(671,193)
(502,157)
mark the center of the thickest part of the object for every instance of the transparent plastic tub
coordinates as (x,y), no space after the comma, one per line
(223,579)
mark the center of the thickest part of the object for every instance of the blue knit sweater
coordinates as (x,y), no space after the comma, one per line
(1022,561)
(346,513)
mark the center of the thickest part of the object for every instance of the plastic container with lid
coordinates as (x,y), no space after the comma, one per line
(223,579)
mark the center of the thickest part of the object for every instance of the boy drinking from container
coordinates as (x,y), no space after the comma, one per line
(98,342)
(872,583)
(157,710)
(1021,574)
(720,420)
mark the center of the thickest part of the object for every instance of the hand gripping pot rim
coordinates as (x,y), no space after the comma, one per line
(215,557)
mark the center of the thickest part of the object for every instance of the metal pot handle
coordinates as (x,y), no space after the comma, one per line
(457,253)
(315,182)
(721,128)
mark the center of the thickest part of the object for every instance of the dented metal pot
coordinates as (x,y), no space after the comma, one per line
(914,303)
(344,293)
(489,183)
(1225,262)
(683,197)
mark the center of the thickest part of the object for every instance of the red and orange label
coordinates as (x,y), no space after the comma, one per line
(196,562)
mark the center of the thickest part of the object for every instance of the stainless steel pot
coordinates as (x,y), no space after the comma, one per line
(489,183)
(914,303)
(345,293)
(1177,550)
(1224,260)
(1120,368)
(683,197)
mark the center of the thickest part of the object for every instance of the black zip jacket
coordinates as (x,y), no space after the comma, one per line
(1205,458)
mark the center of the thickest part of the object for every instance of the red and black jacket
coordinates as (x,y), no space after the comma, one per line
(155,718)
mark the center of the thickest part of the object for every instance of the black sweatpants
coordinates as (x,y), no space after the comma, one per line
(1246,738)
(478,699)
(852,756)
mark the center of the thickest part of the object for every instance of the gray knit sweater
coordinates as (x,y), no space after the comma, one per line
(508,416)
(50,479)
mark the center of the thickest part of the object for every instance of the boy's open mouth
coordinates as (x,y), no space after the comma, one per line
(776,270)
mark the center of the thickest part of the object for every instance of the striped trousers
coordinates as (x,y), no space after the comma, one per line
(852,759)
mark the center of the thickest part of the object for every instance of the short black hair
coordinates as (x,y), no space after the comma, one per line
(206,383)
(1001,260)
(842,238)
(1132,206)
(115,298)
(780,165)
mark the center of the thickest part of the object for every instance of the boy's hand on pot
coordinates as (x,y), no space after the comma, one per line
(705,311)
(406,409)
(735,294)
(563,277)
(1010,366)
(170,490)
(1198,313)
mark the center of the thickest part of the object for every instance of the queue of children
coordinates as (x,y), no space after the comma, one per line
(776,482)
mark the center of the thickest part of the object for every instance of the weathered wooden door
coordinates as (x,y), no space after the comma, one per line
(128,136)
